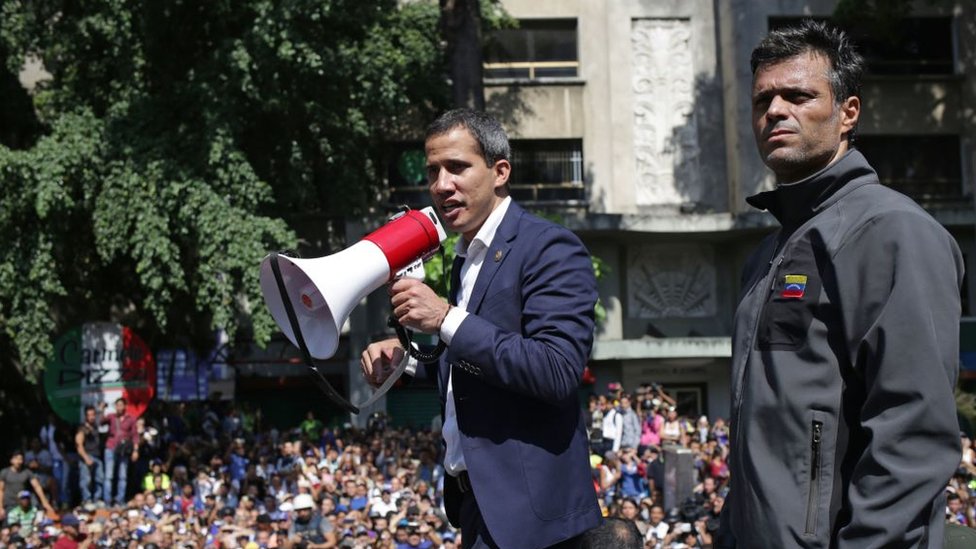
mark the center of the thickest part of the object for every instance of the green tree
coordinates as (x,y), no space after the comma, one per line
(173,141)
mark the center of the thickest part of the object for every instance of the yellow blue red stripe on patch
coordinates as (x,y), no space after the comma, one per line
(794,286)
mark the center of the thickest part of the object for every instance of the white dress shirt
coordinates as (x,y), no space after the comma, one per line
(474,255)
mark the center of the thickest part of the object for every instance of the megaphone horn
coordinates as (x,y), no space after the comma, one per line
(323,291)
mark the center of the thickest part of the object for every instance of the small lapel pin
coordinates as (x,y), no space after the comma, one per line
(498,256)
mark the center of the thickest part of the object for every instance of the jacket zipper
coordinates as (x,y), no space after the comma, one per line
(774,264)
(813,502)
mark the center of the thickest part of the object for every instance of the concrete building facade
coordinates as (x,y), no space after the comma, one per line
(633,118)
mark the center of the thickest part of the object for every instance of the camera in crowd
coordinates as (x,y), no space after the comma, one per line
(647,394)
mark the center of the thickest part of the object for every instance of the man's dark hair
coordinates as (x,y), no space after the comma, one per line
(487,132)
(846,65)
(613,533)
(120,399)
(90,407)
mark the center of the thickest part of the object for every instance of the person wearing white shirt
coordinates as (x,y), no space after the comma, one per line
(518,329)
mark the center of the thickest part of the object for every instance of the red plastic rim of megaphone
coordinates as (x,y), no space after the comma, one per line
(413,235)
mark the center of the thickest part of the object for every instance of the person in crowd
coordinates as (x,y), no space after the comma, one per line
(955,512)
(71,536)
(612,425)
(121,448)
(654,467)
(651,425)
(14,481)
(308,528)
(609,477)
(629,510)
(156,471)
(518,329)
(88,445)
(40,462)
(657,527)
(24,514)
(632,482)
(51,437)
(846,337)
(614,533)
(671,430)
(630,424)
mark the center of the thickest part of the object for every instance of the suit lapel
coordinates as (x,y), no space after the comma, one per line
(496,255)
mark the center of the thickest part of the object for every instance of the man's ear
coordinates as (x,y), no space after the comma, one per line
(502,169)
(850,110)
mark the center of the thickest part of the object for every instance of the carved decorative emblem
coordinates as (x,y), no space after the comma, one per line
(665,127)
(671,280)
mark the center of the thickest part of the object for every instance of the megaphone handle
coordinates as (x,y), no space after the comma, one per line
(320,380)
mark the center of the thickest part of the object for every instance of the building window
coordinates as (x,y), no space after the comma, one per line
(538,48)
(927,168)
(912,46)
(545,173)
(548,172)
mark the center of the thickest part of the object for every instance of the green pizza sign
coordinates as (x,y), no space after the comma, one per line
(99,362)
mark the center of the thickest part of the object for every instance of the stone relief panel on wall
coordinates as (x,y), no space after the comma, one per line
(671,281)
(666,143)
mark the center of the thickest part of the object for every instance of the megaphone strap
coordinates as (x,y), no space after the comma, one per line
(320,380)
(317,375)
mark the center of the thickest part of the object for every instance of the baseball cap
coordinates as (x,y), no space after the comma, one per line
(23,494)
(69,520)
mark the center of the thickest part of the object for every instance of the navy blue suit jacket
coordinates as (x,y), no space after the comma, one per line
(518,358)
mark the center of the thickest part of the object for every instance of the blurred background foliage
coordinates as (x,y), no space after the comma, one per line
(171,144)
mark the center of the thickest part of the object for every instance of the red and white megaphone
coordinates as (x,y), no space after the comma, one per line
(323,291)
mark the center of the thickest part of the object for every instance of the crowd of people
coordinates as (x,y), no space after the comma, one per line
(211,474)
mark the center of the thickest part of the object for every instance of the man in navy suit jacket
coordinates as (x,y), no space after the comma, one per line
(519,333)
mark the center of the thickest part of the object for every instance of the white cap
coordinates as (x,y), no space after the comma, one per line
(302,501)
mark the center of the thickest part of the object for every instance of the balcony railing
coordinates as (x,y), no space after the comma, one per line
(532,69)
(542,178)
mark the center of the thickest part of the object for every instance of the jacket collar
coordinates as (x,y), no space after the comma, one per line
(794,203)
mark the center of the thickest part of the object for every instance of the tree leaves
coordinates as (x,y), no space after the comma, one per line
(175,136)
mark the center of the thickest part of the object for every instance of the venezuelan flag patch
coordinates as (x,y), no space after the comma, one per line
(794,286)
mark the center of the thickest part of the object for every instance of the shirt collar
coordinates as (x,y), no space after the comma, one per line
(487,231)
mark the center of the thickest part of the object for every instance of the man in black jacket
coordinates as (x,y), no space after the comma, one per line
(845,342)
